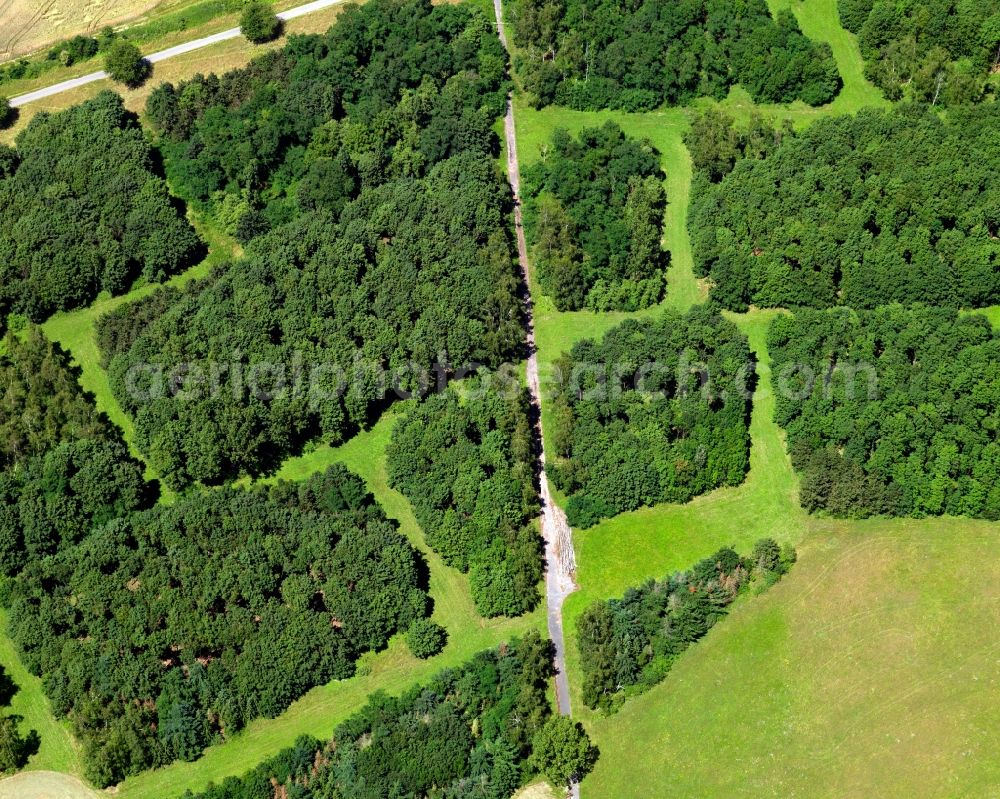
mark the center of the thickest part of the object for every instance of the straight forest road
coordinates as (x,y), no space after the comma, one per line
(170,52)
(560,560)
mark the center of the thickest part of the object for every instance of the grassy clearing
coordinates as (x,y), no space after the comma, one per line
(652,542)
(393,670)
(865,672)
(58,751)
(74,331)
(820,21)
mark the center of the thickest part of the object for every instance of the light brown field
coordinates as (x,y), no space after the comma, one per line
(216,58)
(44,785)
(30,25)
(537,790)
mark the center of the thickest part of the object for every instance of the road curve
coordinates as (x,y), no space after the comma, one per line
(163,55)
(560,560)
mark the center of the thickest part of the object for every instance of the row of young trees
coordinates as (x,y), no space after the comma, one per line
(123,60)
(84,209)
(891,412)
(937,51)
(467,466)
(656,411)
(866,210)
(594,213)
(479,730)
(640,55)
(628,645)
(61,54)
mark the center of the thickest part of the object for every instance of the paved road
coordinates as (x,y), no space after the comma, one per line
(560,560)
(163,55)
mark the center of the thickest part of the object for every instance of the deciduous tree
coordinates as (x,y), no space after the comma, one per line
(124,62)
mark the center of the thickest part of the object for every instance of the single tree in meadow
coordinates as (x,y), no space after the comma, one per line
(425,638)
(259,23)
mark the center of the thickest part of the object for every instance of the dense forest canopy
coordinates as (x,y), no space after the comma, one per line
(369,152)
(64,468)
(166,629)
(41,402)
(891,411)
(882,207)
(637,56)
(468,732)
(938,51)
(594,212)
(330,315)
(53,501)
(467,467)
(656,411)
(84,210)
(628,645)
(393,88)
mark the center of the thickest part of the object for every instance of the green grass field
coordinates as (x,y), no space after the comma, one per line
(796,695)
(820,21)
(870,654)
(868,671)
(57,751)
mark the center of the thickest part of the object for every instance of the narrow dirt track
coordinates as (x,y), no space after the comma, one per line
(560,560)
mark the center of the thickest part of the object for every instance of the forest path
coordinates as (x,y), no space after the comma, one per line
(560,561)
(163,55)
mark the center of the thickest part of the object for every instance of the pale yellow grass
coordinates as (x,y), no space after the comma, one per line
(217,58)
(29,25)
(44,785)
(537,790)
